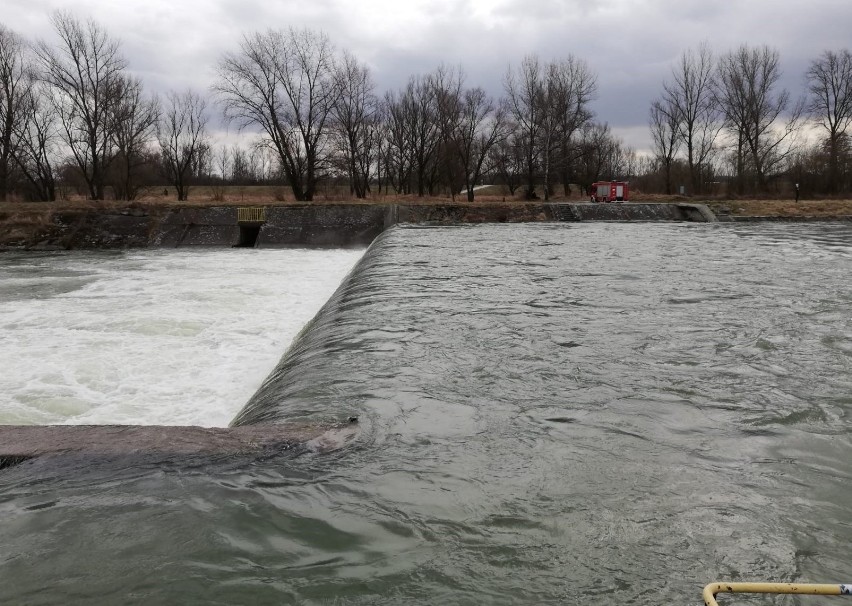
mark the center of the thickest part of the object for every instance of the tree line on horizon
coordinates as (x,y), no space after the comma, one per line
(72,118)
(726,115)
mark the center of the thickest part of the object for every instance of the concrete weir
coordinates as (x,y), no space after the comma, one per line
(321,225)
(311,225)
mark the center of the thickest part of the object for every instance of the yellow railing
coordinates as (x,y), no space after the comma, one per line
(251,214)
(799,588)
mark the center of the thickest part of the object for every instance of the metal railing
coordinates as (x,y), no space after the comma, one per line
(251,214)
(712,589)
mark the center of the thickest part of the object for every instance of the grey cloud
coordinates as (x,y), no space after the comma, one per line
(630,44)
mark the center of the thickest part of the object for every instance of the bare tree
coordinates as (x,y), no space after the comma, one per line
(133,123)
(355,111)
(523,102)
(549,103)
(553,99)
(283,82)
(830,85)
(15,88)
(241,169)
(631,163)
(385,167)
(398,156)
(506,160)
(37,149)
(447,85)
(755,113)
(182,134)
(690,95)
(221,163)
(568,89)
(264,162)
(665,121)
(420,108)
(482,124)
(84,73)
(579,86)
(413,135)
(469,123)
(599,154)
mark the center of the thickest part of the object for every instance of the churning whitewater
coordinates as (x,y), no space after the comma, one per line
(177,337)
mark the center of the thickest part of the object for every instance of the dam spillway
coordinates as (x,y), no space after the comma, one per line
(586,398)
(608,412)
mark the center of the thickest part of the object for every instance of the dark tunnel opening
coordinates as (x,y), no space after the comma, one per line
(248,236)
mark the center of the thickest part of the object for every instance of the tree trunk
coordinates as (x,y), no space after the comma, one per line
(4,180)
(6,159)
(668,178)
(740,166)
(832,162)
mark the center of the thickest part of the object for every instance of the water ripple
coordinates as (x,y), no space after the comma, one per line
(607,413)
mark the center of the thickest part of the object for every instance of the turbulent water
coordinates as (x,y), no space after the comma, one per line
(578,414)
(152,337)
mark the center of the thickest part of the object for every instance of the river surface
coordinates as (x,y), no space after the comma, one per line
(550,414)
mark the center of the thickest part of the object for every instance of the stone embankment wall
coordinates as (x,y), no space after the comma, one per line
(321,225)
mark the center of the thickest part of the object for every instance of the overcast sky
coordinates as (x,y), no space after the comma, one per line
(630,44)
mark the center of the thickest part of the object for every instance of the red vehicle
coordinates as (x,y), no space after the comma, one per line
(609,191)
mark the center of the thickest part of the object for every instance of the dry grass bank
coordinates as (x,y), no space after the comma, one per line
(159,198)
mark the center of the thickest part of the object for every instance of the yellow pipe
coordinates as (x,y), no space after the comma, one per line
(801,588)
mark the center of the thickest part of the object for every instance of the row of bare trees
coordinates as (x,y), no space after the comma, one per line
(72,108)
(321,114)
(728,114)
(72,111)
(436,133)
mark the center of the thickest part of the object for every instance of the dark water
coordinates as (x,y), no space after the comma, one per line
(592,414)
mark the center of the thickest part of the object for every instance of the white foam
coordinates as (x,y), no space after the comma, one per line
(156,337)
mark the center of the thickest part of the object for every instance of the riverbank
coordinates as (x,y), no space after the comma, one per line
(165,222)
(331,225)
